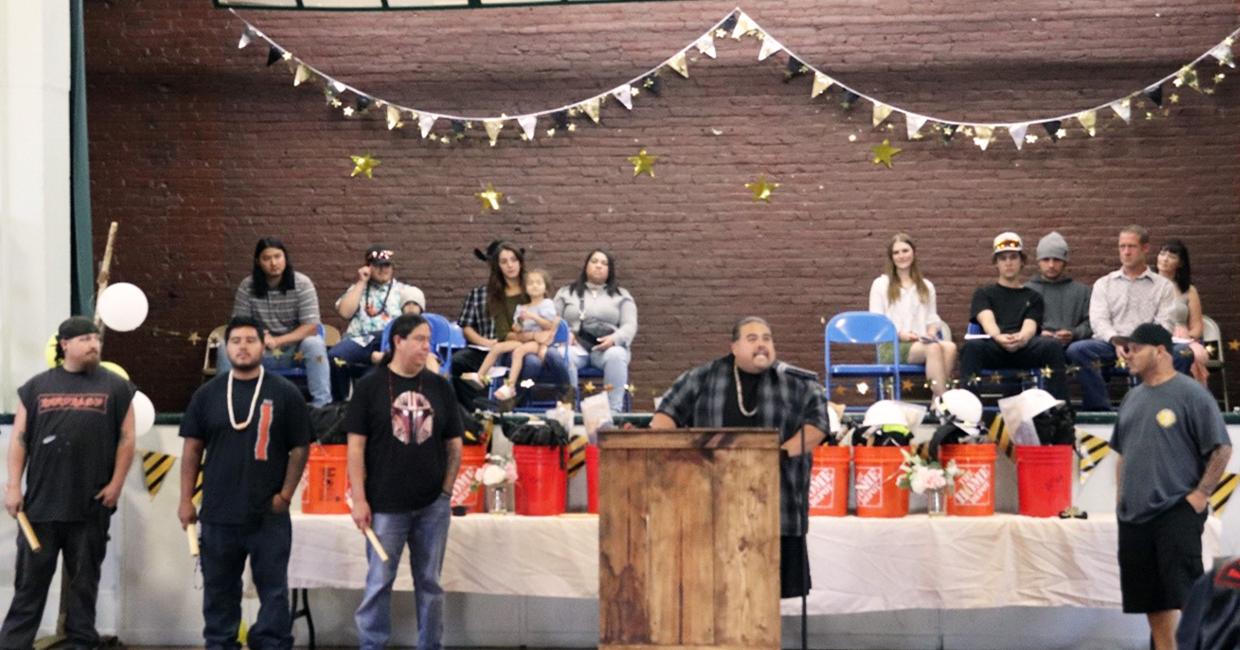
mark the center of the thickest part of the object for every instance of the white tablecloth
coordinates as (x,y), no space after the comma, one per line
(858,565)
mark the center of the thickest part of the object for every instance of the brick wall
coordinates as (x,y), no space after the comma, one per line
(197,149)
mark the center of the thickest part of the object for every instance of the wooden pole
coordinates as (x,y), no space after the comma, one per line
(105,273)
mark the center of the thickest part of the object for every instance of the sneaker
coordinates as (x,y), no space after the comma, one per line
(473,379)
(505,392)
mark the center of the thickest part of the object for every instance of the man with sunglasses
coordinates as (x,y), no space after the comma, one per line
(404,453)
(1010,316)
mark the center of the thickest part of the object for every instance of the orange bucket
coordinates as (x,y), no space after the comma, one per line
(828,482)
(974,492)
(1044,479)
(327,481)
(875,470)
(542,480)
(592,478)
(473,457)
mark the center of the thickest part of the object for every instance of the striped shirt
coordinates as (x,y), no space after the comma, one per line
(1119,303)
(280,312)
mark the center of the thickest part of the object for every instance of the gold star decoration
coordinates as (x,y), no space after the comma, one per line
(1047,372)
(340,363)
(1174,98)
(630,389)
(906,385)
(277,353)
(364,165)
(1233,345)
(643,163)
(194,338)
(1121,363)
(761,189)
(996,379)
(840,391)
(884,152)
(589,388)
(299,356)
(348,111)
(974,380)
(490,198)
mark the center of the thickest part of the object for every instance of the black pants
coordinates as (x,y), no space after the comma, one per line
(463,361)
(83,544)
(794,580)
(224,549)
(1040,352)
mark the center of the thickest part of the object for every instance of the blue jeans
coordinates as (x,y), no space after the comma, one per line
(425,531)
(224,549)
(314,358)
(614,362)
(1089,354)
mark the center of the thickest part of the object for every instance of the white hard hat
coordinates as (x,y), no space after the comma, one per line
(1035,401)
(834,420)
(962,408)
(885,412)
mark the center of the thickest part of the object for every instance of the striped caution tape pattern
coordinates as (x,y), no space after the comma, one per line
(197,498)
(576,454)
(1090,451)
(1222,493)
(1001,436)
(155,467)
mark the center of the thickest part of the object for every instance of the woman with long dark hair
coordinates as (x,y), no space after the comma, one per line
(1173,264)
(603,319)
(287,305)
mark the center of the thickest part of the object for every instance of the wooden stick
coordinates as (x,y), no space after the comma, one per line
(105,273)
(374,542)
(191,533)
(28,531)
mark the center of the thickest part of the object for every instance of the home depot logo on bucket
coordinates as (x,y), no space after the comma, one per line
(460,489)
(822,488)
(973,486)
(869,487)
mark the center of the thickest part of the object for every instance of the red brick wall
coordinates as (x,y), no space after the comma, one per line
(198,149)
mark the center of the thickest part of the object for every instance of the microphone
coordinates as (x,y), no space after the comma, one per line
(796,371)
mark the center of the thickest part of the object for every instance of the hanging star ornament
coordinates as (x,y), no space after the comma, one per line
(1233,345)
(906,385)
(840,391)
(490,198)
(589,387)
(364,165)
(194,338)
(643,163)
(299,356)
(761,189)
(883,153)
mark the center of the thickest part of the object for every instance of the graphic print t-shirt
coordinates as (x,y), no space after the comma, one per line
(73,424)
(406,421)
(243,470)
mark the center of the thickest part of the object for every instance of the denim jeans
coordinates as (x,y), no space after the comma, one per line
(614,362)
(83,544)
(224,549)
(1096,358)
(314,357)
(425,531)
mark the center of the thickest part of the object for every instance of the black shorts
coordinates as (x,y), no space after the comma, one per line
(793,566)
(1159,559)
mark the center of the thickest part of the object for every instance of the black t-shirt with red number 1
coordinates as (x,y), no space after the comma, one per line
(406,421)
(243,470)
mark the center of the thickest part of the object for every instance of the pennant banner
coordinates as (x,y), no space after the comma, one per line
(1090,451)
(155,468)
(1222,493)
(1001,436)
(576,454)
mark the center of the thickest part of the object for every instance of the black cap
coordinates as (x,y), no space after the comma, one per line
(1149,334)
(76,326)
(379,255)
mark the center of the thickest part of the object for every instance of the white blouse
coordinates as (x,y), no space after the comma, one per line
(908,312)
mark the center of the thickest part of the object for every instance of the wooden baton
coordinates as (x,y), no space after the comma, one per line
(191,534)
(374,542)
(28,531)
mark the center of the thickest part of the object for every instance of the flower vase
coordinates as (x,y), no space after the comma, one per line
(497,499)
(936,502)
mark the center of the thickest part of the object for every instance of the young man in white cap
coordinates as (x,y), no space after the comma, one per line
(1065,316)
(1011,316)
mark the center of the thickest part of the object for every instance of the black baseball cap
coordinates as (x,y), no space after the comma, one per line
(75,326)
(379,255)
(1148,334)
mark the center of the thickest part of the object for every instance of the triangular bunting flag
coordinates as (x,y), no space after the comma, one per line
(743,26)
(821,83)
(1088,120)
(393,117)
(1223,491)
(769,47)
(850,98)
(1154,94)
(1001,436)
(340,87)
(1187,76)
(1222,52)
(982,135)
(576,454)
(1017,131)
(653,83)
(1090,451)
(591,106)
(274,54)
(706,45)
(881,111)
(679,64)
(1123,108)
(155,467)
(528,124)
(426,121)
(245,39)
(624,95)
(493,128)
(1052,129)
(364,102)
(302,74)
(914,123)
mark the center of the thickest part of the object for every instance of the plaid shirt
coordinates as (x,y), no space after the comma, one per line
(785,403)
(474,313)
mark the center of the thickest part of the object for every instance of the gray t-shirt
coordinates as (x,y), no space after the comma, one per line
(1165,434)
(279,311)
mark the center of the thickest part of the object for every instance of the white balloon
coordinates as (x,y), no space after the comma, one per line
(143,413)
(122,306)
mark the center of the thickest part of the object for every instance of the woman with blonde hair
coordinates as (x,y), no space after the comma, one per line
(903,295)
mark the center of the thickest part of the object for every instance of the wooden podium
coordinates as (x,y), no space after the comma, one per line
(689,539)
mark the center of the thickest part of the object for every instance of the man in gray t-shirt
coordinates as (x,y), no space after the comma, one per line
(1171,448)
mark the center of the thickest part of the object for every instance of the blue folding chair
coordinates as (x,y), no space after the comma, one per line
(444,340)
(298,369)
(864,328)
(559,345)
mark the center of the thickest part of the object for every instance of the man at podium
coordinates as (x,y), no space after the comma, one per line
(748,389)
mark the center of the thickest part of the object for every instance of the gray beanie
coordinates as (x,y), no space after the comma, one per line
(1053,246)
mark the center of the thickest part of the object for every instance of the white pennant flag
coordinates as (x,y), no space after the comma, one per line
(393,117)
(624,95)
(706,45)
(245,39)
(678,63)
(1123,108)
(338,86)
(1223,53)
(881,111)
(1017,131)
(528,124)
(743,26)
(821,83)
(769,47)
(914,123)
(983,135)
(425,122)
(302,74)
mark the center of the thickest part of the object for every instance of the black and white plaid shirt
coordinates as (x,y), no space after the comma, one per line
(474,313)
(786,402)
